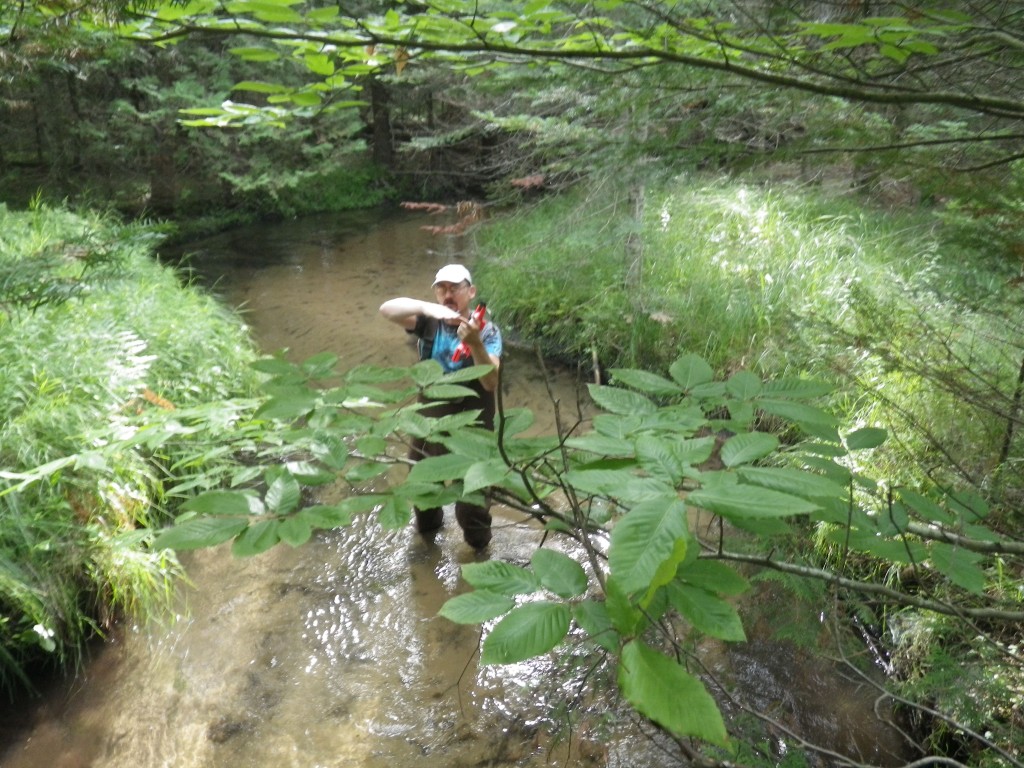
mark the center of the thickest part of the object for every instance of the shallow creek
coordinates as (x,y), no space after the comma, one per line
(332,654)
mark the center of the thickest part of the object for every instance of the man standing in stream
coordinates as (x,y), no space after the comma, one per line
(441,327)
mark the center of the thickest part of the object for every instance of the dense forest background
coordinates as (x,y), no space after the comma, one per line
(799,139)
(90,112)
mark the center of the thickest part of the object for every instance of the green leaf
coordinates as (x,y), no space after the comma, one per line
(244,476)
(374,374)
(322,14)
(224,503)
(708,613)
(618,484)
(713,576)
(295,531)
(288,407)
(895,550)
(256,539)
(476,607)
(747,448)
(484,474)
(300,98)
(867,437)
(741,414)
(898,516)
(643,539)
(319,64)
(309,474)
(559,573)
(528,631)
(795,389)
(592,617)
(691,371)
(427,372)
(959,565)
(620,401)
(658,459)
(528,449)
(427,495)
(747,501)
(472,373)
(256,54)
(798,413)
(439,469)
(395,513)
(662,690)
(199,532)
(693,450)
(455,422)
(446,391)
(517,420)
(666,571)
(743,385)
(625,617)
(795,481)
(711,390)
(499,576)
(175,11)
(895,53)
(969,505)
(371,445)
(320,365)
(366,470)
(644,381)
(323,516)
(601,445)
(837,473)
(283,495)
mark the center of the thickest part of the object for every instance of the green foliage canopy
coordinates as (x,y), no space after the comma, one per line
(957,60)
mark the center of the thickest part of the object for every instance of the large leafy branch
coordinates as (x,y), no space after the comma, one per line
(625,569)
(943,59)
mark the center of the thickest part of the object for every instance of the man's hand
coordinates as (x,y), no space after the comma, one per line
(469,332)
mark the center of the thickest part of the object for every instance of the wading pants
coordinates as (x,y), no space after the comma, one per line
(474,520)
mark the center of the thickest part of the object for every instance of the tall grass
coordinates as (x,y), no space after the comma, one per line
(79,367)
(916,335)
(555,274)
(721,269)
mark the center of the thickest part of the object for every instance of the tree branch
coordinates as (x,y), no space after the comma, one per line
(901,598)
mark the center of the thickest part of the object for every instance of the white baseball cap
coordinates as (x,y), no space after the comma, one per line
(453,273)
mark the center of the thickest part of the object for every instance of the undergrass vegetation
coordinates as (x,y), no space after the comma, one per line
(98,342)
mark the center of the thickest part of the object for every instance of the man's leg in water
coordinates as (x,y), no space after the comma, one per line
(427,520)
(475,522)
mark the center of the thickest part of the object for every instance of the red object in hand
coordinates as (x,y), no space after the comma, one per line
(463,350)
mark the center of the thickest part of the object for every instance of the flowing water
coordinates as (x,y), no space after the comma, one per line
(332,654)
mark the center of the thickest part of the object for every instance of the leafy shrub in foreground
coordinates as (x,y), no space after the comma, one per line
(634,577)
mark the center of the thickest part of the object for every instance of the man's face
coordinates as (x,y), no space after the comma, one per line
(455,296)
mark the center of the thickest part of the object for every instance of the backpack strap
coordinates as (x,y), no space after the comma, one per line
(426,330)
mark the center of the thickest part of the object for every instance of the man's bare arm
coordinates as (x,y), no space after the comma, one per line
(404,311)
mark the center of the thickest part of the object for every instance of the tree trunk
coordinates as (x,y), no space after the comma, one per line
(163,178)
(383,146)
